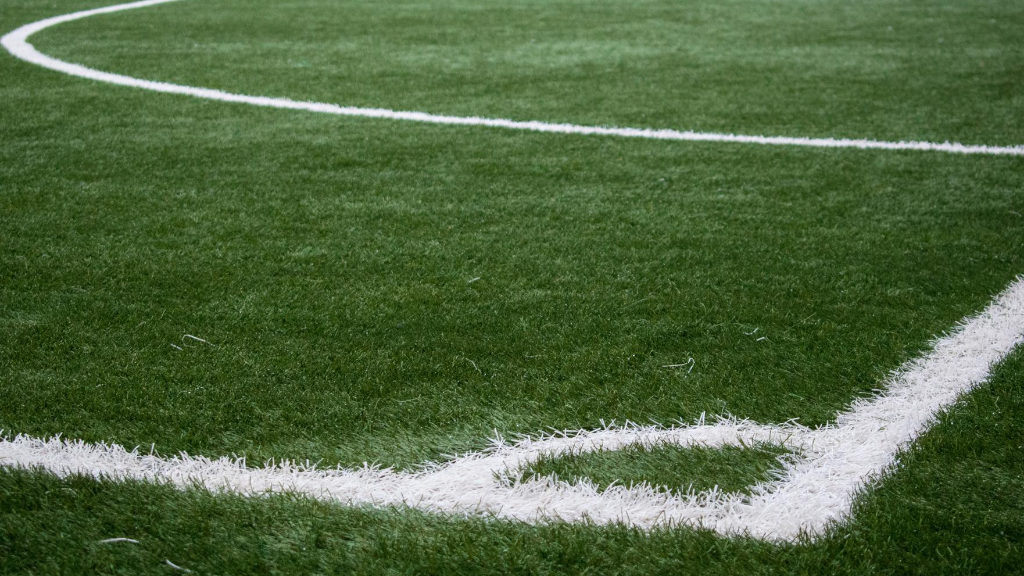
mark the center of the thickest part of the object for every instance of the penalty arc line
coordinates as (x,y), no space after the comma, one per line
(814,489)
(16,42)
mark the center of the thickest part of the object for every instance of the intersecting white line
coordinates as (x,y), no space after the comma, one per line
(815,487)
(16,43)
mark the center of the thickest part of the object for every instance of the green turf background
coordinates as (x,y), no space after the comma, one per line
(331,261)
(664,467)
(927,69)
(332,264)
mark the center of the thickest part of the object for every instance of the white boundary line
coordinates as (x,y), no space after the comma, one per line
(16,43)
(815,487)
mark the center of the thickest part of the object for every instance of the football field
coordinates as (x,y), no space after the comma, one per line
(538,286)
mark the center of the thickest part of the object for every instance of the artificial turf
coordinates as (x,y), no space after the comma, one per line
(953,506)
(665,467)
(394,292)
(391,292)
(930,69)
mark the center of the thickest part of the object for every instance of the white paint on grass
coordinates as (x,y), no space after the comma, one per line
(16,43)
(815,487)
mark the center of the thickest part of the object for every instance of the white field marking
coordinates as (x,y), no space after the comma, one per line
(16,43)
(116,540)
(176,567)
(814,488)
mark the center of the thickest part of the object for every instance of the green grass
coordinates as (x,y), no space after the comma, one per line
(932,69)
(393,292)
(329,262)
(952,507)
(665,467)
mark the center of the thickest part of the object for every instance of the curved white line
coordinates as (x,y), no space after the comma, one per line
(815,488)
(16,43)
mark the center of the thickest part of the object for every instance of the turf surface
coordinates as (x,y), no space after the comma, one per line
(931,69)
(953,507)
(667,467)
(392,292)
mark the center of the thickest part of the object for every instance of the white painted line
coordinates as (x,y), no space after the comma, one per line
(816,486)
(16,43)
(116,540)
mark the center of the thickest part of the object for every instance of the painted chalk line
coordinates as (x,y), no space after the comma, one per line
(814,488)
(16,43)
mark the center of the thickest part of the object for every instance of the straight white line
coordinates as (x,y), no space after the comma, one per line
(16,43)
(815,488)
